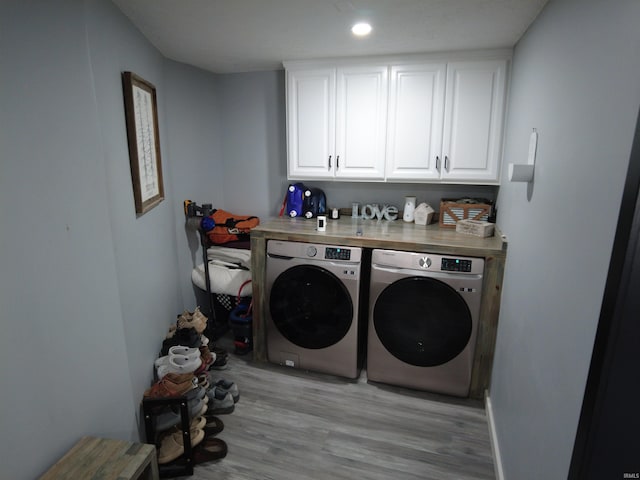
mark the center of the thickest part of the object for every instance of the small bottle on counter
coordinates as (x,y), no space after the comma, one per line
(335,213)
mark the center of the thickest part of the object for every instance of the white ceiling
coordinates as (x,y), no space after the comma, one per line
(225,36)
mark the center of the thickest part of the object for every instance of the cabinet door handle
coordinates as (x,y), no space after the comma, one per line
(329,162)
(437,163)
(446,163)
(338,162)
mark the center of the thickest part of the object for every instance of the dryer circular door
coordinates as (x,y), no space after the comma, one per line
(422,321)
(310,306)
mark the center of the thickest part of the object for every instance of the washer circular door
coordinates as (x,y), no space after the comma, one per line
(310,306)
(422,321)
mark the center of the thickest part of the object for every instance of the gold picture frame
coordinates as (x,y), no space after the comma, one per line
(141,114)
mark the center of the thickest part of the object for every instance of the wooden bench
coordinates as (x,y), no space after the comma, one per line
(93,458)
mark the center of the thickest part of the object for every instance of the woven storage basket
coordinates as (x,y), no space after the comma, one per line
(452,210)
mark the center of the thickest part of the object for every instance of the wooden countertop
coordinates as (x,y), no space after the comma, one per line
(383,234)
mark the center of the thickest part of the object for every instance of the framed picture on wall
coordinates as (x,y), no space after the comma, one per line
(141,113)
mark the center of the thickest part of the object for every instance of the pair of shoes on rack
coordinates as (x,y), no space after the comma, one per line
(187,337)
(223,384)
(220,401)
(206,447)
(227,386)
(181,359)
(170,416)
(208,357)
(172,441)
(195,319)
(174,385)
(222,357)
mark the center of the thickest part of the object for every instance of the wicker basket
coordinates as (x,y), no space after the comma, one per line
(452,210)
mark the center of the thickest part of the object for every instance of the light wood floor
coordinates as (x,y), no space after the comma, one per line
(293,424)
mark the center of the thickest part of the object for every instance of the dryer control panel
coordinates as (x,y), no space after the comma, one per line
(337,253)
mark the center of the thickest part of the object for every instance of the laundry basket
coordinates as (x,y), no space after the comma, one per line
(240,321)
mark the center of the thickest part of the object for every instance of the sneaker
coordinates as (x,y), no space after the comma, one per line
(229,387)
(219,364)
(219,351)
(170,416)
(220,402)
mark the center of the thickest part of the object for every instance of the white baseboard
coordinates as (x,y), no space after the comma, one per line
(495,447)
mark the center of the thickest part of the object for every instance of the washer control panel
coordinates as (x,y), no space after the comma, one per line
(313,252)
(427,262)
(455,265)
(337,253)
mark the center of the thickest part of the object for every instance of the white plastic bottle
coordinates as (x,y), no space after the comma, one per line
(409,209)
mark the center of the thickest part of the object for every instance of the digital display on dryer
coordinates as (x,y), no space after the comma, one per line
(334,253)
(455,265)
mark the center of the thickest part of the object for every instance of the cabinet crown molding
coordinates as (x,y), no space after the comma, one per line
(449,56)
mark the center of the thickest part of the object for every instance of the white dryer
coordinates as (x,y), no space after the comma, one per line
(313,320)
(423,320)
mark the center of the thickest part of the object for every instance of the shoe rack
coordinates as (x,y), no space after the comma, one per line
(183,466)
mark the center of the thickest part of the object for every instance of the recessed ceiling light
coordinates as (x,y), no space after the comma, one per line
(361,29)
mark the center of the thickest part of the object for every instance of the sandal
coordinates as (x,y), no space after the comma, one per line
(209,450)
(213,425)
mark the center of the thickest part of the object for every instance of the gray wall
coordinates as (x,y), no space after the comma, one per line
(148,287)
(196,170)
(87,290)
(252,127)
(64,361)
(576,78)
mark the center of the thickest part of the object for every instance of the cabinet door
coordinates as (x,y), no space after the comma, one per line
(361,117)
(474,108)
(311,123)
(416,113)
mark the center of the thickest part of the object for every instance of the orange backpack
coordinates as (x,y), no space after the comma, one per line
(230,227)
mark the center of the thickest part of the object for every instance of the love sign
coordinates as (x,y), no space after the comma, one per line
(388,212)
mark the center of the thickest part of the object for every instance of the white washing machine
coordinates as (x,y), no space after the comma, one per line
(315,304)
(423,320)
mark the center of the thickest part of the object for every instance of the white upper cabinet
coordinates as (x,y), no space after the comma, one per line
(336,122)
(416,115)
(474,109)
(361,119)
(397,121)
(311,111)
